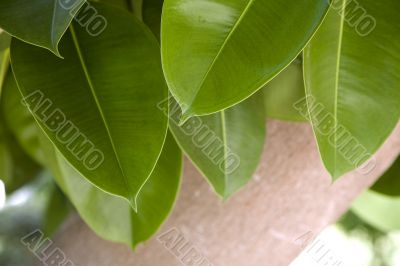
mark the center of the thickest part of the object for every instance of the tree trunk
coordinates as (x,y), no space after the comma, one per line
(289,200)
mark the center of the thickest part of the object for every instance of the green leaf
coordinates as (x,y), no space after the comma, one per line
(389,183)
(217,53)
(226,147)
(99,104)
(111,217)
(380,211)
(283,92)
(20,121)
(16,167)
(353,83)
(38,22)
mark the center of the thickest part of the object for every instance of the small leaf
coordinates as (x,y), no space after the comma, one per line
(352,82)
(39,22)
(227,146)
(112,217)
(99,104)
(389,183)
(281,93)
(217,53)
(379,211)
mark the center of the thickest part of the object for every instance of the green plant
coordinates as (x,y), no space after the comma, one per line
(90,95)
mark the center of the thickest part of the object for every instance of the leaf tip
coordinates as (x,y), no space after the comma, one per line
(133,203)
(55,51)
(335,175)
(185,117)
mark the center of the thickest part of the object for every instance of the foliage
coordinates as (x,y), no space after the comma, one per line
(101,93)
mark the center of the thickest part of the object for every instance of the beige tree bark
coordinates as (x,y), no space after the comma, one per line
(290,196)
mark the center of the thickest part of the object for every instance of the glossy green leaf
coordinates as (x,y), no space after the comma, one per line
(99,104)
(111,217)
(380,211)
(217,53)
(353,81)
(281,93)
(226,147)
(20,121)
(38,22)
(389,183)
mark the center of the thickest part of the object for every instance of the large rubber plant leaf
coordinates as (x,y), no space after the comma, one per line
(102,211)
(379,211)
(226,147)
(99,104)
(281,93)
(38,22)
(113,218)
(217,53)
(352,81)
(389,183)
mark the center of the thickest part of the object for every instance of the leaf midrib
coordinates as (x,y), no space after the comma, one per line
(86,72)
(53,18)
(337,78)
(225,143)
(246,9)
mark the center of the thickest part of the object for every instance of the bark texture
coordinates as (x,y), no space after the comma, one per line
(290,196)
